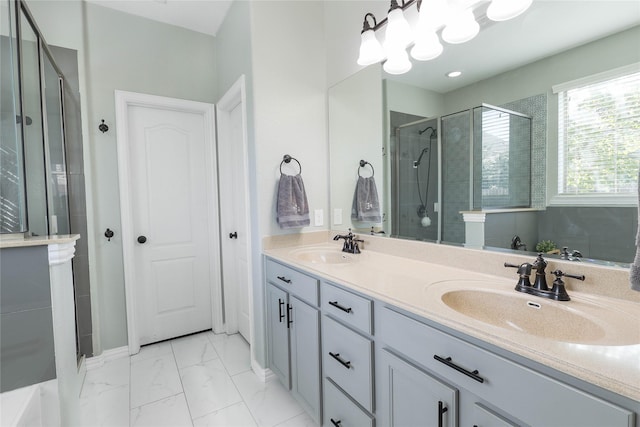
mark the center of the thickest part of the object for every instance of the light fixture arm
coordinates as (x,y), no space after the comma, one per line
(377,25)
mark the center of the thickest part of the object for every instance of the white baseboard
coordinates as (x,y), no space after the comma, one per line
(107,355)
(265,374)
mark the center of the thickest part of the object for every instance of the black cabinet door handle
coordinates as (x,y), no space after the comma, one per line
(447,361)
(233,235)
(346,364)
(284,279)
(339,307)
(142,239)
(335,423)
(441,410)
(280,310)
(289,320)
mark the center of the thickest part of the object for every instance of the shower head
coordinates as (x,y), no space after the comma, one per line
(420,132)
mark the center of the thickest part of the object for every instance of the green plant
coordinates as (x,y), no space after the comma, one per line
(545,246)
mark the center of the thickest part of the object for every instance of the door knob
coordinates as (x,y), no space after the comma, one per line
(233,235)
(142,239)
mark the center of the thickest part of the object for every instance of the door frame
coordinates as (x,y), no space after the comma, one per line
(123,101)
(236,95)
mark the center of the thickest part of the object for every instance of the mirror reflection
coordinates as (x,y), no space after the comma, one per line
(442,152)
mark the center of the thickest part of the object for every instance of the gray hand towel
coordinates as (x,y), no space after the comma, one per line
(634,274)
(292,206)
(366,206)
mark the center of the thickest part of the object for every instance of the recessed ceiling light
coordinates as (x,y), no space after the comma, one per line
(454,74)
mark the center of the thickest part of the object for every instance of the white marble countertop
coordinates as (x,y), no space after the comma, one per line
(38,241)
(418,286)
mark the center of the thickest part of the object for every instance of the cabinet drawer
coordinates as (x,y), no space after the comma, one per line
(339,410)
(350,308)
(347,360)
(296,283)
(499,381)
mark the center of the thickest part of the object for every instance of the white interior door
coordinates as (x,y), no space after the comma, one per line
(235,230)
(170,225)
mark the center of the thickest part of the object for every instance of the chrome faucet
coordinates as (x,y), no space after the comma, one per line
(350,242)
(539,287)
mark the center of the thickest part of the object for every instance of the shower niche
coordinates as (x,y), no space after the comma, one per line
(475,160)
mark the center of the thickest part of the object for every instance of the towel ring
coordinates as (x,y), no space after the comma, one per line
(363,164)
(287,159)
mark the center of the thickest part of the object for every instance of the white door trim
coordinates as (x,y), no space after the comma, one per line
(124,100)
(230,100)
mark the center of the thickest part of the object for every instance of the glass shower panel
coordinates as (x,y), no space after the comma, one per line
(417,177)
(502,159)
(58,201)
(12,192)
(34,153)
(456,176)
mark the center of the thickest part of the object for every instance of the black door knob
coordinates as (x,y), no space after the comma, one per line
(142,239)
(233,235)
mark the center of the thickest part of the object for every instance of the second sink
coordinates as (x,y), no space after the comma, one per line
(578,321)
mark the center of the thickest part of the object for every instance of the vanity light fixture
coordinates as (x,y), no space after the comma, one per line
(455,19)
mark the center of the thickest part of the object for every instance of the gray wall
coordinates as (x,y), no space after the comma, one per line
(26,324)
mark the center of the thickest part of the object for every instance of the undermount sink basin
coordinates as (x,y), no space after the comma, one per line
(577,321)
(322,256)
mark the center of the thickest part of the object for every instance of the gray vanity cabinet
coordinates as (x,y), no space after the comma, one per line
(517,394)
(293,330)
(347,358)
(412,396)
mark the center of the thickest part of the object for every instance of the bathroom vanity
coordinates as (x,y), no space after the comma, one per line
(377,339)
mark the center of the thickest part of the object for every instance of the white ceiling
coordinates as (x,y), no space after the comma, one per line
(204,16)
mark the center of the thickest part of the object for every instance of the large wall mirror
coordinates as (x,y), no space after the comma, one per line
(487,141)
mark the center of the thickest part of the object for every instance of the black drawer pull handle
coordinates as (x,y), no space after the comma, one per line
(447,361)
(284,279)
(441,410)
(280,310)
(335,423)
(336,356)
(289,321)
(339,307)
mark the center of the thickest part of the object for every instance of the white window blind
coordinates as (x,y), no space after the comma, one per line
(495,153)
(599,136)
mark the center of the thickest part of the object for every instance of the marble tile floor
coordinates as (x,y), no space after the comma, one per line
(199,380)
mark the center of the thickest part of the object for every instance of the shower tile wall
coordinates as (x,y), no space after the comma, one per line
(456,193)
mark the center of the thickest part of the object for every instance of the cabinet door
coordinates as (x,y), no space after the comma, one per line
(305,355)
(485,417)
(278,333)
(411,397)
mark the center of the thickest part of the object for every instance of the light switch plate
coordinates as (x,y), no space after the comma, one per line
(337,216)
(319,217)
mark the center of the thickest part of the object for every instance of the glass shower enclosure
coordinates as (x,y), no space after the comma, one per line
(473,160)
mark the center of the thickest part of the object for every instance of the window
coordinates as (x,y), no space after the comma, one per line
(599,135)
